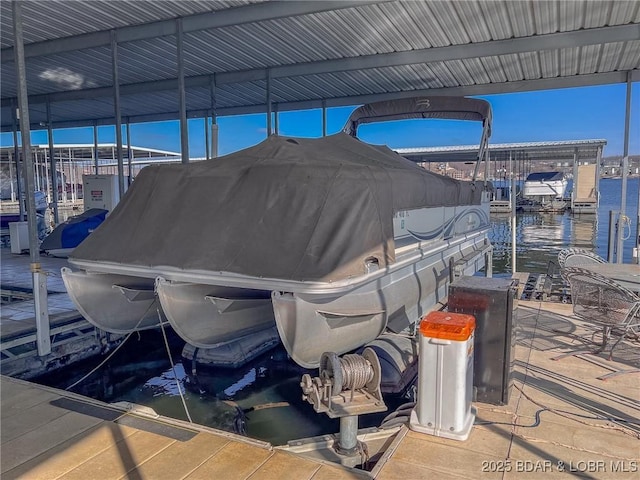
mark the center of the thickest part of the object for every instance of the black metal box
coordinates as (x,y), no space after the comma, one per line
(493,302)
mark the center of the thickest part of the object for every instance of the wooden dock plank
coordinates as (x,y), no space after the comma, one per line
(181,458)
(56,434)
(16,396)
(410,471)
(27,419)
(284,466)
(329,472)
(233,461)
(69,454)
(121,458)
(36,442)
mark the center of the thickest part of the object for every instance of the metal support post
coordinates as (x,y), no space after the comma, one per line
(214,137)
(574,191)
(43,338)
(611,244)
(214,118)
(625,174)
(182,98)
(207,142)
(129,153)
(54,167)
(269,103)
(277,119)
(324,117)
(96,155)
(116,108)
(16,156)
(13,192)
(348,444)
(598,161)
(488,263)
(512,196)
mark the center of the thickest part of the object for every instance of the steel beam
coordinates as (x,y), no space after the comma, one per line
(54,167)
(182,96)
(207,141)
(625,173)
(268,102)
(116,110)
(96,155)
(276,119)
(222,18)
(324,118)
(129,152)
(43,338)
(214,117)
(16,156)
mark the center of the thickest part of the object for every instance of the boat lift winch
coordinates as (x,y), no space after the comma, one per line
(345,388)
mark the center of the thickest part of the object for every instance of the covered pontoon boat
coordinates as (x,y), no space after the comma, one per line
(333,239)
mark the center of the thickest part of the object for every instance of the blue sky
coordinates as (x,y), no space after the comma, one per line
(565,114)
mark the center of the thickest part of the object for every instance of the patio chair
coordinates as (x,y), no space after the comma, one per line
(573,257)
(601,301)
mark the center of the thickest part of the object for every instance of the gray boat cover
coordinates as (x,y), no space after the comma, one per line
(287,208)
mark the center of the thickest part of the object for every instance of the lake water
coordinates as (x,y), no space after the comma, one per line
(540,236)
(263,398)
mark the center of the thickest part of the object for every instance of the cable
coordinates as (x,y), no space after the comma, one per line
(173,368)
(101,363)
(356,371)
(625,223)
(114,351)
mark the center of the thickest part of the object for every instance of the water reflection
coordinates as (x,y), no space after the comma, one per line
(539,238)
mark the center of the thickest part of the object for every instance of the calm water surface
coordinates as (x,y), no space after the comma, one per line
(263,398)
(539,237)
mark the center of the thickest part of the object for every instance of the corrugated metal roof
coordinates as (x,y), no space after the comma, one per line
(344,52)
(550,150)
(505,146)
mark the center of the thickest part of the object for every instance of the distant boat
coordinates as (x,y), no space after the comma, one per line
(333,240)
(68,235)
(544,191)
(545,184)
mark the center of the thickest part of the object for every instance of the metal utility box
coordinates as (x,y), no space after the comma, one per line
(19,236)
(493,302)
(445,376)
(100,191)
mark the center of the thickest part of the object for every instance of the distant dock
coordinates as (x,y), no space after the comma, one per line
(72,337)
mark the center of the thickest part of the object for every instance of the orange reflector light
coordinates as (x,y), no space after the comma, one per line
(448,325)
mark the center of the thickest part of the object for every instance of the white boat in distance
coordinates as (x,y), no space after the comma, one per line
(333,239)
(544,191)
(545,184)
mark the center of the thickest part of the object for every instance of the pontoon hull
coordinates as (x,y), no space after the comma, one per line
(310,324)
(207,315)
(114,303)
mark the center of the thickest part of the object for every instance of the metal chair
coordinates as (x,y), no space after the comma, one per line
(599,300)
(573,257)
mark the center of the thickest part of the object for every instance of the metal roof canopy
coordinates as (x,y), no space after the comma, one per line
(535,151)
(83,152)
(311,54)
